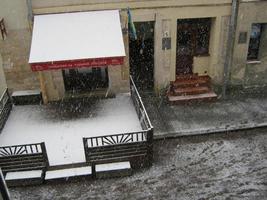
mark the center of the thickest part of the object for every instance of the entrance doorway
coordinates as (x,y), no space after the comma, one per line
(141,53)
(192,40)
(85,79)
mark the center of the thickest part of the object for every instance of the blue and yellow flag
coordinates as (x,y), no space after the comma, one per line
(131,24)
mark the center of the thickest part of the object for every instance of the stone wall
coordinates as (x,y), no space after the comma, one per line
(15,49)
(245,73)
(3,85)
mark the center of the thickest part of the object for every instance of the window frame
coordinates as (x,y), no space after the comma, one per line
(253,41)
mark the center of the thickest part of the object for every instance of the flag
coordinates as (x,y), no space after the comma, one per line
(131,24)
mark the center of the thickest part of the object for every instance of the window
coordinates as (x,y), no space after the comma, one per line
(202,37)
(85,79)
(193,36)
(254,42)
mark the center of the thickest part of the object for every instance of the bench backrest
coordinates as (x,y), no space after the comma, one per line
(23,158)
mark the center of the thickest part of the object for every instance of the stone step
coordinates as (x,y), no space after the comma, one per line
(190,90)
(65,174)
(191,83)
(209,96)
(111,170)
(186,76)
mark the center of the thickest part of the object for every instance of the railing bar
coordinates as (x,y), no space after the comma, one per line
(125,138)
(3,154)
(18,145)
(21,150)
(106,138)
(26,149)
(4,148)
(129,140)
(114,142)
(91,142)
(121,138)
(15,150)
(31,148)
(102,140)
(139,100)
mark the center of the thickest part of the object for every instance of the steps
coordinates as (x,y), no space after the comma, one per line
(191,88)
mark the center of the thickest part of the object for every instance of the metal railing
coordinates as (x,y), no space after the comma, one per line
(139,107)
(115,141)
(5,108)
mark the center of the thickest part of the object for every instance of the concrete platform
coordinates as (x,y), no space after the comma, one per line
(207,117)
(62,126)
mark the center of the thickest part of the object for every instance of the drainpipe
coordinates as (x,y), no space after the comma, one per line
(30,14)
(230,46)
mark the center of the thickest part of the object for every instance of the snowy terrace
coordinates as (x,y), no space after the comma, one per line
(62,127)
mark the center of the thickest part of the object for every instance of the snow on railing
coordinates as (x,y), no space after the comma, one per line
(139,107)
(25,149)
(23,157)
(116,139)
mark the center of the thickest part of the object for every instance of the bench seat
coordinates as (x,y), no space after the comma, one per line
(65,174)
(19,178)
(116,169)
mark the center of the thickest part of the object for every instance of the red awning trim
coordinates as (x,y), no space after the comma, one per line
(68,64)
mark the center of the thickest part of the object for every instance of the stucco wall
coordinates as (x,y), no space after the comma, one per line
(244,73)
(15,48)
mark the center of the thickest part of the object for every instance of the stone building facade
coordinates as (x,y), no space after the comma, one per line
(249,68)
(164,15)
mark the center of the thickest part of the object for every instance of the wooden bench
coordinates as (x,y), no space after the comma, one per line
(111,170)
(68,173)
(22,166)
(136,153)
(26,97)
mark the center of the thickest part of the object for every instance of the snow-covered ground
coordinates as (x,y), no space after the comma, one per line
(63,133)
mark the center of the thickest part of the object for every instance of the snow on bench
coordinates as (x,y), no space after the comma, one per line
(66,173)
(25,93)
(20,178)
(25,97)
(23,175)
(116,169)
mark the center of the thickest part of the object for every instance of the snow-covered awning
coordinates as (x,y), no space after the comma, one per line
(72,40)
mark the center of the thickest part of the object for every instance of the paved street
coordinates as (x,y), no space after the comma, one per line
(219,166)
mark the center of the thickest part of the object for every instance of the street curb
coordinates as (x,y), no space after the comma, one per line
(227,128)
